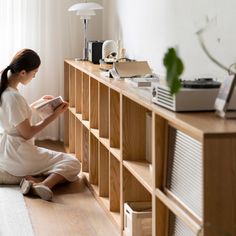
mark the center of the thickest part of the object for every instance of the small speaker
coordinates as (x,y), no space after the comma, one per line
(95,51)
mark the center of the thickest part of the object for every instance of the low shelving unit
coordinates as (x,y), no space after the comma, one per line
(134,151)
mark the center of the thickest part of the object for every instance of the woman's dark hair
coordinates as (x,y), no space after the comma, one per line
(26,59)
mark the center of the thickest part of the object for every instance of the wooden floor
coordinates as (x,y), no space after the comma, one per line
(74,210)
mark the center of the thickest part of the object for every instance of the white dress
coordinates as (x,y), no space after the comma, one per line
(20,157)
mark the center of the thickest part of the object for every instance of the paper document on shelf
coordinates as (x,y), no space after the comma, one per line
(139,82)
(132,69)
(45,108)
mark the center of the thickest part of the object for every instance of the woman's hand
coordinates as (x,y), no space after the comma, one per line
(47,97)
(62,108)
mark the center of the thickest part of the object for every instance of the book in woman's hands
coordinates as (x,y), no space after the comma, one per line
(45,108)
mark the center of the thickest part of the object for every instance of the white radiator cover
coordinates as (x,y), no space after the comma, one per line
(185,170)
(177,227)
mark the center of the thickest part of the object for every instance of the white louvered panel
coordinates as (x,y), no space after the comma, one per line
(178,228)
(184,171)
(164,97)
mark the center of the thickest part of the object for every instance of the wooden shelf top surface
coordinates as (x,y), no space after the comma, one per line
(200,123)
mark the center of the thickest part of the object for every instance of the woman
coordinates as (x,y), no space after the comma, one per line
(18,154)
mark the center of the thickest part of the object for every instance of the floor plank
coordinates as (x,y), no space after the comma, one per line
(74,211)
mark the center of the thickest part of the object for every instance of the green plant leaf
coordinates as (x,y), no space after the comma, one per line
(174,68)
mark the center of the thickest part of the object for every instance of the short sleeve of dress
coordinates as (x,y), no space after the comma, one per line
(16,109)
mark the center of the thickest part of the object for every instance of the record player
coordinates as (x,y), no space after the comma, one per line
(195,95)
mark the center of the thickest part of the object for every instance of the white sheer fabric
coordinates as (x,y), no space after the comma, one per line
(54,33)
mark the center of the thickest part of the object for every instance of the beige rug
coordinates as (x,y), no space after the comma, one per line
(14,218)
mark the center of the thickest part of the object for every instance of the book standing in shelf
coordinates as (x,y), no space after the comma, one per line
(224,97)
(45,108)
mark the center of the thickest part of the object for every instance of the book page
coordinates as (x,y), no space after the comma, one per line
(48,107)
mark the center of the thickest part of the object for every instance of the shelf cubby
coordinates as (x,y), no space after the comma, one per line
(95,132)
(160,149)
(141,171)
(78,139)
(177,210)
(133,190)
(103,165)
(72,132)
(134,130)
(116,152)
(114,119)
(85,96)
(66,98)
(93,103)
(78,89)
(105,142)
(93,160)
(72,86)
(86,124)
(114,184)
(103,111)
(85,149)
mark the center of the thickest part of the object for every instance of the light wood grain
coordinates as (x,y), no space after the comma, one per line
(72,132)
(95,132)
(133,190)
(103,171)
(116,152)
(66,81)
(73,211)
(72,86)
(114,119)
(199,122)
(159,141)
(134,131)
(121,133)
(103,111)
(85,97)
(66,128)
(93,160)
(141,171)
(220,185)
(93,103)
(66,98)
(78,140)
(85,149)
(114,184)
(78,93)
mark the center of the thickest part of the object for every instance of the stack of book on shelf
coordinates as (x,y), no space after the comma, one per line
(141,81)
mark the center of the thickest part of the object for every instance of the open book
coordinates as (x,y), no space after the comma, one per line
(45,108)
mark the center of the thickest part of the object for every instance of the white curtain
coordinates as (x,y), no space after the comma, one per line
(54,33)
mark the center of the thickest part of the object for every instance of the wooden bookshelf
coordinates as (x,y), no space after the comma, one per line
(134,151)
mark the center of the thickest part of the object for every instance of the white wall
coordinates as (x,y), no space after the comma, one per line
(148,28)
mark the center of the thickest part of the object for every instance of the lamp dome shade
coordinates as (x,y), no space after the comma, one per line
(85,6)
(85,13)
